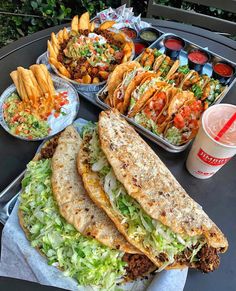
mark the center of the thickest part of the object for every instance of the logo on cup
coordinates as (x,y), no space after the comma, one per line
(210,160)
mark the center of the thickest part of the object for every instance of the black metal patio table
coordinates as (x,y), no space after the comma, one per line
(217,195)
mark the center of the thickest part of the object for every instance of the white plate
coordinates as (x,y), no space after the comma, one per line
(56,124)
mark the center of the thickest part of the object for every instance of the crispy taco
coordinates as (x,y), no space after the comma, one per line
(119,93)
(153,108)
(177,100)
(140,95)
(144,200)
(63,223)
(116,78)
(185,123)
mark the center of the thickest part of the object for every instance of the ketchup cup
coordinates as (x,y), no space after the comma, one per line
(173,46)
(197,58)
(223,71)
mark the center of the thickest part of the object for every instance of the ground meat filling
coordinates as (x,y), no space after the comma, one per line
(138,265)
(48,150)
(208,259)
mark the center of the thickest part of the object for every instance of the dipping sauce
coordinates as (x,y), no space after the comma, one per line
(173,44)
(130,32)
(139,47)
(223,69)
(198,57)
(148,35)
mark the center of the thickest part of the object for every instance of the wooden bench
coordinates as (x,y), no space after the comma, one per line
(192,17)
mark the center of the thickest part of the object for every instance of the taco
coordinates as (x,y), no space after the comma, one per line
(119,93)
(117,76)
(153,108)
(63,223)
(147,204)
(147,87)
(177,99)
(185,123)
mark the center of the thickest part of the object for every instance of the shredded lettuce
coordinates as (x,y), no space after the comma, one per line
(82,258)
(140,226)
(173,135)
(146,122)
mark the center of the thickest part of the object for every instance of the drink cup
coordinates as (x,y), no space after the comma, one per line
(215,143)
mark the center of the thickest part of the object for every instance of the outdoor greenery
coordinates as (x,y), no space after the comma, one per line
(22,17)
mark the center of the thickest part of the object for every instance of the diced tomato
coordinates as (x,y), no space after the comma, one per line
(56,114)
(186,112)
(179,121)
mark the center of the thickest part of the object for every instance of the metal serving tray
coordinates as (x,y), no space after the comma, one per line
(207,69)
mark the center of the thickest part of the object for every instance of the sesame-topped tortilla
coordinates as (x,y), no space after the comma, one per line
(73,201)
(144,200)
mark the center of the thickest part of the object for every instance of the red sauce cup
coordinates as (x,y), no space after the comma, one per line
(197,58)
(140,46)
(223,71)
(173,45)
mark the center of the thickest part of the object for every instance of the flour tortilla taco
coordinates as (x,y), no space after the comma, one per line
(63,223)
(185,123)
(144,200)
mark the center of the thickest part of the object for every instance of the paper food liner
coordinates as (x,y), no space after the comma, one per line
(20,260)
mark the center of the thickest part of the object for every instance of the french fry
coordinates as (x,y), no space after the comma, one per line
(55,43)
(14,76)
(84,21)
(107,24)
(54,40)
(92,26)
(60,36)
(51,50)
(65,34)
(74,23)
(60,67)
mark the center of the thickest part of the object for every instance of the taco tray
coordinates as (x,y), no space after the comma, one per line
(207,70)
(147,133)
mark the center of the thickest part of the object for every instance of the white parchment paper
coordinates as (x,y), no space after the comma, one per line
(20,260)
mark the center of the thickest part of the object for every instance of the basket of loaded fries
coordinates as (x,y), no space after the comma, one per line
(86,54)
